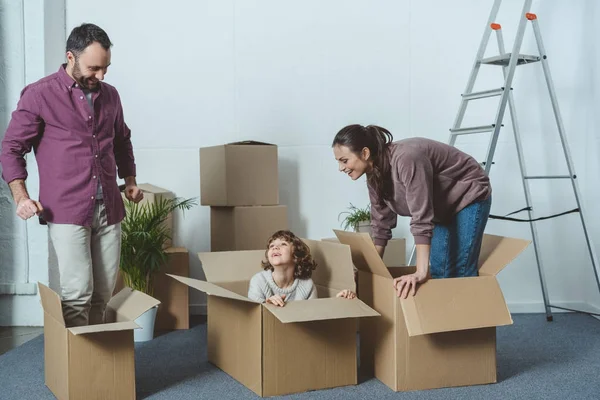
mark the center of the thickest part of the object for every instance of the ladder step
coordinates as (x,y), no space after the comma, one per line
(474,129)
(483,94)
(549,177)
(504,59)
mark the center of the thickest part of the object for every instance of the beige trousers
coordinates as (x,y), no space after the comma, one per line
(88,262)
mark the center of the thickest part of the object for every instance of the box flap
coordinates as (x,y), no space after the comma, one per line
(115,326)
(334,264)
(51,303)
(223,266)
(147,187)
(364,254)
(210,288)
(249,142)
(129,304)
(321,309)
(497,252)
(454,304)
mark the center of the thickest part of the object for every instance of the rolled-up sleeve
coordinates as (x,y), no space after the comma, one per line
(123,149)
(383,219)
(23,132)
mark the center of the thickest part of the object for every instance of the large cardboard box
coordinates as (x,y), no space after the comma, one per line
(96,361)
(239,174)
(443,336)
(174,310)
(245,228)
(395,251)
(152,194)
(306,345)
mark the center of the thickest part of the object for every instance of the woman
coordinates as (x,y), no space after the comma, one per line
(445,192)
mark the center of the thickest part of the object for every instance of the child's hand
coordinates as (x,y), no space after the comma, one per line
(277,300)
(347,294)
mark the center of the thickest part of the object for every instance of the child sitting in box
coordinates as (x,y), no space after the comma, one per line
(287,272)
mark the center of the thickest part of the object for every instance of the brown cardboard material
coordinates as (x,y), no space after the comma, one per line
(443,336)
(153,194)
(239,174)
(395,251)
(173,312)
(245,228)
(97,361)
(249,340)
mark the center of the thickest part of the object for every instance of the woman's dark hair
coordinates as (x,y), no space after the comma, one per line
(84,35)
(303,261)
(356,137)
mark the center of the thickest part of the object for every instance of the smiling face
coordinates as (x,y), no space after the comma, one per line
(89,67)
(352,164)
(280,253)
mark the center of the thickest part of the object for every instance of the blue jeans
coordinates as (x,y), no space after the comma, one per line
(455,247)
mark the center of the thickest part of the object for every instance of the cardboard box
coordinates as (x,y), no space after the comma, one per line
(395,251)
(239,174)
(153,194)
(306,345)
(95,361)
(245,228)
(174,310)
(443,336)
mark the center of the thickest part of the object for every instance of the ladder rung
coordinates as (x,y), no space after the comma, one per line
(483,94)
(549,177)
(474,129)
(504,59)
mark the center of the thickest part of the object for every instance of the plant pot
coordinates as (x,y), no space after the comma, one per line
(146,322)
(364,226)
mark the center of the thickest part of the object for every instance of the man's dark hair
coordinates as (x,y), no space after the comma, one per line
(84,35)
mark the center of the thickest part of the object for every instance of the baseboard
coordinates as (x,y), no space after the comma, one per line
(198,309)
(538,307)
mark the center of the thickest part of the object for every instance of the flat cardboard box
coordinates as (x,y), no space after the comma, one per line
(94,362)
(174,310)
(239,174)
(153,194)
(245,228)
(445,335)
(306,345)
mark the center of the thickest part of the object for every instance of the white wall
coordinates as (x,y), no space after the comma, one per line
(194,74)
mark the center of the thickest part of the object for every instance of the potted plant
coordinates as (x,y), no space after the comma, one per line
(143,235)
(359,219)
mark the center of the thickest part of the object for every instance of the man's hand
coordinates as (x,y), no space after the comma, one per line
(27,208)
(408,284)
(277,300)
(134,193)
(347,294)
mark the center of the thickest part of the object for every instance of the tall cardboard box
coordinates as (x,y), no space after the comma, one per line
(306,345)
(443,336)
(239,174)
(153,194)
(174,310)
(96,361)
(245,228)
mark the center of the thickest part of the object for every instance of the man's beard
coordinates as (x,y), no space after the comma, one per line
(85,83)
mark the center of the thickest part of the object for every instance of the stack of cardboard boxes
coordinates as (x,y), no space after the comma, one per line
(239,181)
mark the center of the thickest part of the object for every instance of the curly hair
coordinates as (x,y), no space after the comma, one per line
(303,261)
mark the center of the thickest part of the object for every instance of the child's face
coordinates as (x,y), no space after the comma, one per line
(280,253)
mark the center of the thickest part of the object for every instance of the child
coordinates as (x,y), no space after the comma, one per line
(287,272)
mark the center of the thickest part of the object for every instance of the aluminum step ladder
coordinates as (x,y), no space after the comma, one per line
(509,62)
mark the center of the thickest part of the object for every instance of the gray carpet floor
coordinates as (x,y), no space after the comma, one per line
(536,360)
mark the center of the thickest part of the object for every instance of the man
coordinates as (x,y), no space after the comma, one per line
(74,123)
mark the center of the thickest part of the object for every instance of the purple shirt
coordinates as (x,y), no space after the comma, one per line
(73,146)
(432,182)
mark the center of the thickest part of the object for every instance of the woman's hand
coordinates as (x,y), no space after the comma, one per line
(277,300)
(347,294)
(408,284)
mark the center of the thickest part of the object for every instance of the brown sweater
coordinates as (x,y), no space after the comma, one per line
(432,181)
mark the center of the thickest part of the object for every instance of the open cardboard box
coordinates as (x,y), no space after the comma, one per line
(443,336)
(306,345)
(95,361)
